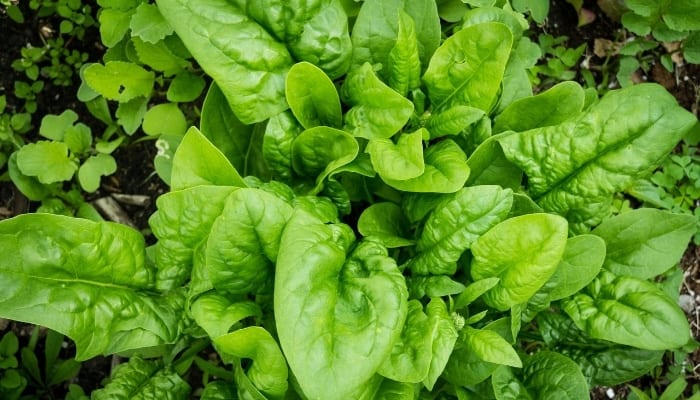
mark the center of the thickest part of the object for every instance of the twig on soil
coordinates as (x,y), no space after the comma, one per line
(111,210)
(132,199)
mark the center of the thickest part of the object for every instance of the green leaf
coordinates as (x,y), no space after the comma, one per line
(48,161)
(629,311)
(523,252)
(377,111)
(198,162)
(403,62)
(185,87)
(244,241)
(468,67)
(599,153)
(183,222)
(374,34)
(140,379)
(114,24)
(646,242)
(280,132)
(489,166)
(312,105)
(452,121)
(345,309)
(538,8)
(691,48)
(554,106)
(28,185)
(130,114)
(93,169)
(119,80)
(78,138)
(456,224)
(465,367)
(218,390)
(446,171)
(400,161)
(148,24)
(491,347)
(385,222)
(681,15)
(159,57)
(164,119)
(82,275)
(54,126)
(246,62)
(318,151)
(473,291)
(583,257)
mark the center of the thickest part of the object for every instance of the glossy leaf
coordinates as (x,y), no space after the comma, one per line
(452,121)
(583,257)
(404,61)
(385,222)
(140,379)
(316,104)
(491,347)
(318,151)
(523,252)
(398,161)
(216,314)
(280,132)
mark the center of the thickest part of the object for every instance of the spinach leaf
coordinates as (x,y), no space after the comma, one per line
(82,275)
(141,379)
(313,105)
(280,132)
(582,260)
(318,151)
(385,222)
(523,252)
(403,62)
(467,69)
(345,309)
(400,161)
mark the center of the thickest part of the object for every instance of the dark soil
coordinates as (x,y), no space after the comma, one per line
(135,175)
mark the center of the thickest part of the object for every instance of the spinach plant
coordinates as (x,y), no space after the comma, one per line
(414,224)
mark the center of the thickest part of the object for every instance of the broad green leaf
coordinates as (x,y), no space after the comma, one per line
(148,24)
(377,111)
(225,131)
(398,161)
(247,63)
(130,114)
(48,161)
(218,390)
(609,366)
(646,242)
(183,221)
(114,24)
(523,252)
(385,222)
(516,82)
(446,171)
(140,379)
(313,104)
(318,151)
(506,386)
(467,69)
(78,138)
(456,224)
(432,286)
(629,311)
(392,390)
(452,121)
(198,162)
(491,347)
(83,275)
(444,337)
(54,126)
(403,62)
(28,185)
(374,34)
(489,166)
(164,119)
(268,370)
(280,132)
(244,242)
(185,87)
(159,57)
(617,140)
(119,80)
(681,15)
(691,48)
(473,291)
(551,107)
(583,257)
(345,309)
(216,314)
(93,169)
(314,31)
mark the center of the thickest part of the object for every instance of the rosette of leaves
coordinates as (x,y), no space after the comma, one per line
(374,212)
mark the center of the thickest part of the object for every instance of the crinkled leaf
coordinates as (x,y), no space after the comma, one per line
(313,104)
(551,107)
(219,390)
(280,132)
(119,80)
(455,224)
(398,161)
(345,309)
(140,379)
(523,252)
(619,139)
(48,161)
(446,171)
(244,242)
(88,281)
(403,62)
(148,24)
(468,67)
(198,162)
(452,121)
(629,311)
(432,286)
(646,242)
(246,61)
(377,111)
(268,370)
(385,222)
(318,151)
(183,221)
